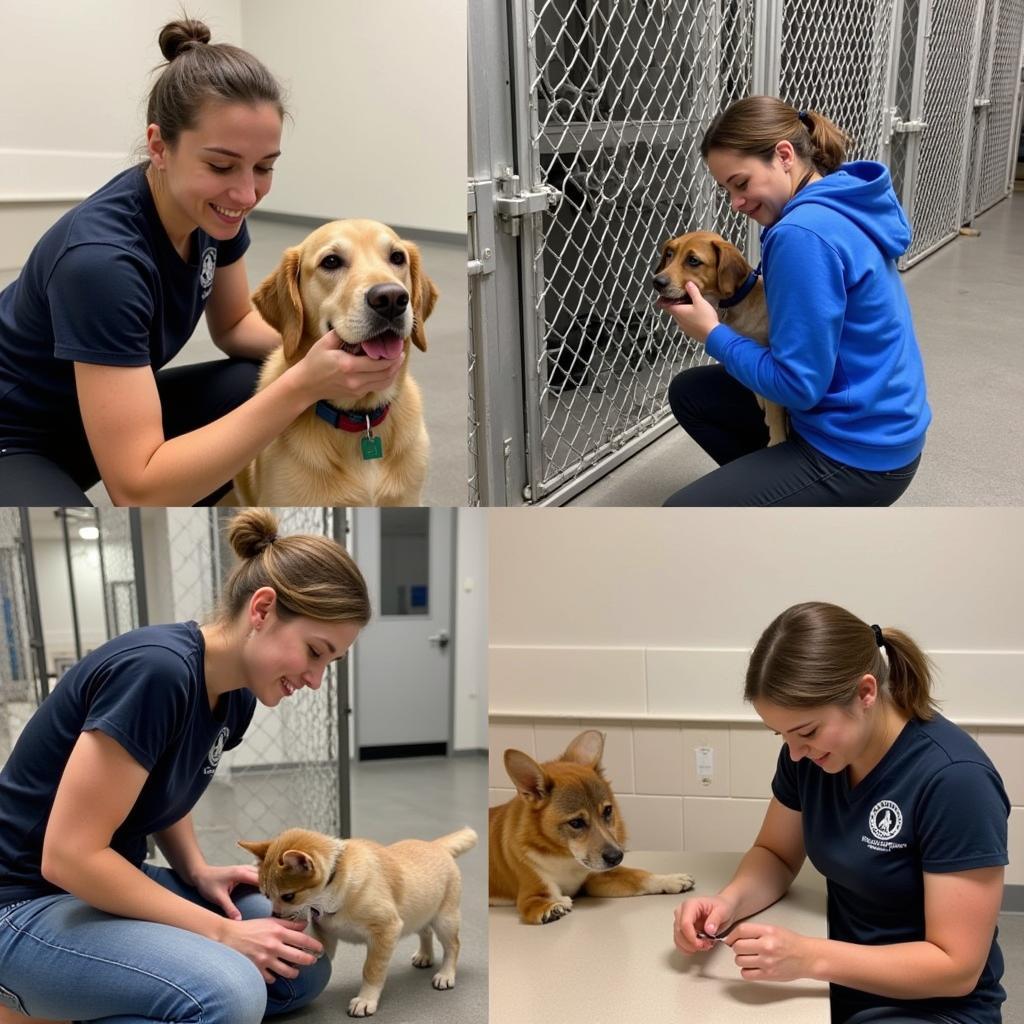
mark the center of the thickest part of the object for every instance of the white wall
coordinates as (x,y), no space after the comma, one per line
(378,97)
(74,78)
(639,622)
(55,597)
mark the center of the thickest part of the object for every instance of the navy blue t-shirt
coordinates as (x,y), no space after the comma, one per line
(103,285)
(934,803)
(146,690)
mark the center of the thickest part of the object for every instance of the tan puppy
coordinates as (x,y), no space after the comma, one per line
(362,892)
(359,278)
(719,270)
(563,834)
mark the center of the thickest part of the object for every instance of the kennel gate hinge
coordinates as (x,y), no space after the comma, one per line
(511,203)
(480,202)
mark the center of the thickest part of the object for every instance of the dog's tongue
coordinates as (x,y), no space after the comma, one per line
(384,346)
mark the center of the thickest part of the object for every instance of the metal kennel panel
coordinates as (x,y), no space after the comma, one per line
(120,563)
(611,100)
(22,659)
(981,105)
(286,771)
(496,432)
(835,58)
(999,150)
(935,176)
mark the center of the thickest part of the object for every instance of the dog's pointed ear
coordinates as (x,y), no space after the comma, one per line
(297,861)
(279,303)
(258,850)
(424,295)
(733,269)
(586,749)
(531,781)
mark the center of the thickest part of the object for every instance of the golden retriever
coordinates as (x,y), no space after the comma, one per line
(720,271)
(359,278)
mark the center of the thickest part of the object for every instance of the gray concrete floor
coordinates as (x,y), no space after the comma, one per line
(966,301)
(405,798)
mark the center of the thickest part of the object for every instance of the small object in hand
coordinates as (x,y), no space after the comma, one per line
(710,938)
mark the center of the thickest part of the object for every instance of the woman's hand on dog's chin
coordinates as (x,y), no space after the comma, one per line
(328,372)
(274,945)
(699,318)
(710,914)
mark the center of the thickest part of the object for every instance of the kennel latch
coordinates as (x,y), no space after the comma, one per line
(894,123)
(512,203)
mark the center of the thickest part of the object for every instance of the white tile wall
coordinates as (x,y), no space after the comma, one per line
(652,768)
(717,824)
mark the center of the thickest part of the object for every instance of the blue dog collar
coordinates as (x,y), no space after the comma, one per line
(745,290)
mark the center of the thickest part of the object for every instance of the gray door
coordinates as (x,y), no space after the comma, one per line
(403,659)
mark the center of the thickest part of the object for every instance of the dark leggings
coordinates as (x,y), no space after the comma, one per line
(723,417)
(190,397)
(895,1015)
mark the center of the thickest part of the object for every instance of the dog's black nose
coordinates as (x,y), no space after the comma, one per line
(612,857)
(389,300)
(660,282)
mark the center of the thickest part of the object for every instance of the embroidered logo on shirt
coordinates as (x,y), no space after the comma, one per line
(208,264)
(885,820)
(216,750)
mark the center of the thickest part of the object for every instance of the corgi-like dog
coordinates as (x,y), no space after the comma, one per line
(562,834)
(361,892)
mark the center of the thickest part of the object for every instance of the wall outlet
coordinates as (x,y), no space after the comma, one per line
(705,764)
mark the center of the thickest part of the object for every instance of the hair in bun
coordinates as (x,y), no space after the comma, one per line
(313,576)
(251,531)
(197,72)
(176,36)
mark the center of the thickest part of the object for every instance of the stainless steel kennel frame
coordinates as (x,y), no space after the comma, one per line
(585,122)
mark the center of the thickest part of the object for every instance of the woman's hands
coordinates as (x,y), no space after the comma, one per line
(697,320)
(216,883)
(276,946)
(328,372)
(765,952)
(711,915)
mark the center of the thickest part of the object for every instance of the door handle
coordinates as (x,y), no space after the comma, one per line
(441,639)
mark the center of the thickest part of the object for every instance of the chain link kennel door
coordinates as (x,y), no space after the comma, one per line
(612,99)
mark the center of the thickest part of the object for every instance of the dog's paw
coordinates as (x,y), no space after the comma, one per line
(556,909)
(671,883)
(443,980)
(421,960)
(360,1007)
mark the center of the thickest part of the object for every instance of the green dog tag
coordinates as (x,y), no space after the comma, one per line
(372,448)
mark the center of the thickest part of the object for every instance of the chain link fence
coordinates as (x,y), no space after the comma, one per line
(20,687)
(836,61)
(1002,90)
(285,773)
(620,94)
(608,102)
(935,201)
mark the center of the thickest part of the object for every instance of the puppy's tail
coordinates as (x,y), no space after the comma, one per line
(458,842)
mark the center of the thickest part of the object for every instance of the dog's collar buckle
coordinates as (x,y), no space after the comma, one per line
(744,290)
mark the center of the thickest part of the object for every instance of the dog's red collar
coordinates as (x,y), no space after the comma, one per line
(353,420)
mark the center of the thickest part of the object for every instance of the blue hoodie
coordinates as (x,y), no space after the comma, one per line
(844,359)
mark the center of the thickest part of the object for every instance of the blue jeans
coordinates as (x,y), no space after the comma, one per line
(61,958)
